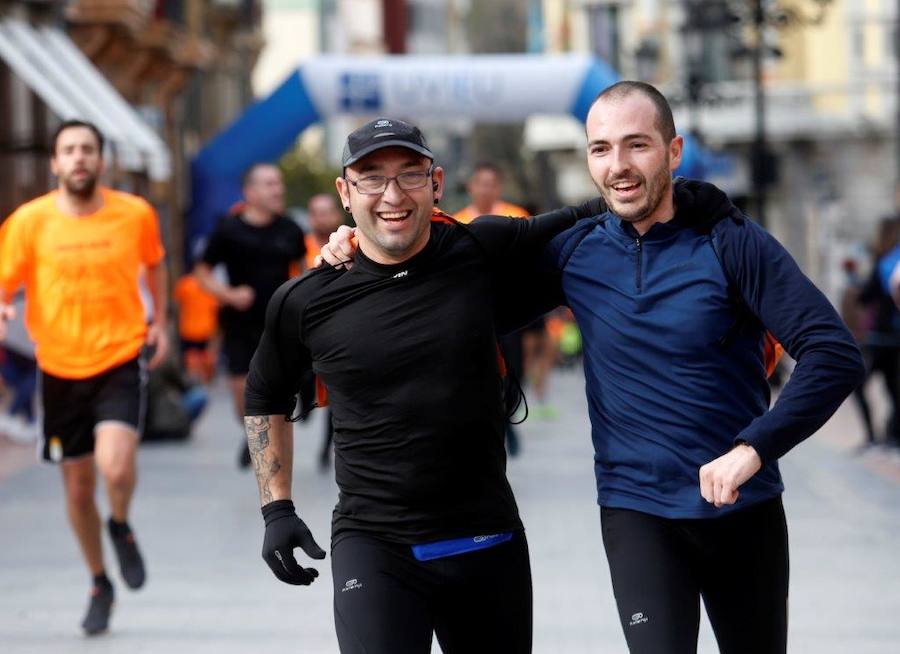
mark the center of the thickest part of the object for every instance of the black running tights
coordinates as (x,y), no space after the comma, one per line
(738,565)
(387,602)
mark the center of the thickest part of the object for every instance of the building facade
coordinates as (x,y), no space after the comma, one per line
(829,75)
(159,77)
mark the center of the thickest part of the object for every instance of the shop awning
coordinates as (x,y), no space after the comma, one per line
(71,86)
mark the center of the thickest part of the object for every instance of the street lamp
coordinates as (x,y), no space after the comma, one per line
(647,59)
(771,12)
(760,14)
(761,161)
(701,19)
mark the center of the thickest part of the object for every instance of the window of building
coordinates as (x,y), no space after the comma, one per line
(427,18)
(859,43)
(605,32)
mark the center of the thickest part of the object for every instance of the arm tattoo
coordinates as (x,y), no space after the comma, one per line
(257,428)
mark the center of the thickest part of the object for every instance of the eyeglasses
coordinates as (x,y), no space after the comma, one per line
(377,184)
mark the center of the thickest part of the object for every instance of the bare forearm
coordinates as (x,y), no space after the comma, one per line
(271,443)
(158,281)
(209,282)
(7,313)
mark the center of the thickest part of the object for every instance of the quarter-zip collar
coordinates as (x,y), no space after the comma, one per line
(657,231)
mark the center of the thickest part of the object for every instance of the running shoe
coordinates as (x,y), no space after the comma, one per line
(99,609)
(131,563)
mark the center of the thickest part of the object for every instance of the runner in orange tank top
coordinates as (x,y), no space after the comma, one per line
(79,252)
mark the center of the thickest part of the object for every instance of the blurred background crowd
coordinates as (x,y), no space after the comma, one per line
(793,106)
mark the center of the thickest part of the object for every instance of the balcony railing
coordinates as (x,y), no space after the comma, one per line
(793,109)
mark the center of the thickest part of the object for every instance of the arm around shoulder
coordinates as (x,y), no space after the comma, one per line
(517,237)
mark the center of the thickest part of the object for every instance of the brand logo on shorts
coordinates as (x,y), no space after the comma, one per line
(56,449)
(352,584)
(637,618)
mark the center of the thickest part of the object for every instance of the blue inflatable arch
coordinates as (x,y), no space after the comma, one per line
(486,88)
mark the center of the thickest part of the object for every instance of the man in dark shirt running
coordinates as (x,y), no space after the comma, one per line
(260,248)
(426,535)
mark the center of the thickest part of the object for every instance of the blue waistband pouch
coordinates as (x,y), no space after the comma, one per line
(444,548)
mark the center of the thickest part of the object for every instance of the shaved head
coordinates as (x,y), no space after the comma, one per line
(664,121)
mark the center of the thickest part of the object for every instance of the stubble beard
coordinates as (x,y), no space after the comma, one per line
(83,189)
(397,246)
(655,188)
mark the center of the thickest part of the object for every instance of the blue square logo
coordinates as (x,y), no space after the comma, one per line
(359,92)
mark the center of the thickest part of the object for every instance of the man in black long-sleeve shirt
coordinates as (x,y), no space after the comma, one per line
(260,247)
(426,535)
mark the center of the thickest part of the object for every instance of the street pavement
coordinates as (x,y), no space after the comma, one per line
(208,590)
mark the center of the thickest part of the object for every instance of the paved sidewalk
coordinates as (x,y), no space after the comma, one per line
(208,590)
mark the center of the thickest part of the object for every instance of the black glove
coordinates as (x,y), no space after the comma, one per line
(590,208)
(285,531)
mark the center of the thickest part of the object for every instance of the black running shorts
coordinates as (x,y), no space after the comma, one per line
(73,407)
(187,345)
(239,342)
(388,602)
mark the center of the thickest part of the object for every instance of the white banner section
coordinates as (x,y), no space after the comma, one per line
(487,88)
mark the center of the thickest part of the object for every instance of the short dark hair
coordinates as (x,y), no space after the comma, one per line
(66,124)
(664,121)
(489,166)
(247,177)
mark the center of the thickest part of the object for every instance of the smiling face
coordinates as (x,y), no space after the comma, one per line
(77,161)
(629,159)
(393,225)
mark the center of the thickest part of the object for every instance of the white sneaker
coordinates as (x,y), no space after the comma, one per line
(6,424)
(20,431)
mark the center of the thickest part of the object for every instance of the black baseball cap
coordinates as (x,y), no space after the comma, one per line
(383,133)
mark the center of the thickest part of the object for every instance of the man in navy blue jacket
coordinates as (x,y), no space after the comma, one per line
(673,293)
